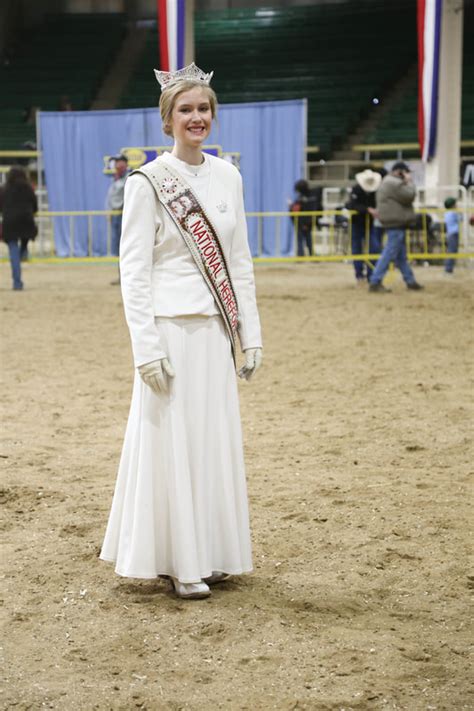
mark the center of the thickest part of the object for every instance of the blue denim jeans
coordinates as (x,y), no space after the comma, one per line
(15,263)
(452,246)
(304,238)
(394,251)
(24,254)
(358,246)
(116,225)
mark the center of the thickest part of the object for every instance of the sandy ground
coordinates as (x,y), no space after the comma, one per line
(358,452)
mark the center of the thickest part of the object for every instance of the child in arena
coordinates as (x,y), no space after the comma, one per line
(451,223)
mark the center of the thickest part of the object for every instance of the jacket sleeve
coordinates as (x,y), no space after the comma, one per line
(139,225)
(356,201)
(241,269)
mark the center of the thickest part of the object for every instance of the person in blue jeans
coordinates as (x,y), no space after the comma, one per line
(364,236)
(18,204)
(115,195)
(451,222)
(305,201)
(395,199)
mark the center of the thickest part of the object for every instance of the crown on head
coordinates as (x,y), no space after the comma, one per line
(165,79)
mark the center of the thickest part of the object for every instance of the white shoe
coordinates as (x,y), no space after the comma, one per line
(190,591)
(216,578)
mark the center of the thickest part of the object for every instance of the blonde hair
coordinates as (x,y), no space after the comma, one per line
(169,95)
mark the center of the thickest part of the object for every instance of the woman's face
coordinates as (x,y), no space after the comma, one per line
(191,118)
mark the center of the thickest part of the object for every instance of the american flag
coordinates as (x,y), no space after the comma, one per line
(429,35)
(171,32)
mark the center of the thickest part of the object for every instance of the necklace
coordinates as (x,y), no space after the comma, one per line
(200,176)
(196,169)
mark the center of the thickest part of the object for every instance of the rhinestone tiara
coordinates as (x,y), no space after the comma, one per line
(165,79)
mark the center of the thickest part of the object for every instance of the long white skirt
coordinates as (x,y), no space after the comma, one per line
(180,503)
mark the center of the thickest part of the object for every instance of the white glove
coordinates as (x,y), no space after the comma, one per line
(153,374)
(253,361)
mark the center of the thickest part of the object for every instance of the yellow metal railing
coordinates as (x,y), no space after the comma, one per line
(43,248)
(331,236)
(19,154)
(332,242)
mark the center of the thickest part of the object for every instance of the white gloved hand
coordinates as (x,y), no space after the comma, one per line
(153,374)
(253,361)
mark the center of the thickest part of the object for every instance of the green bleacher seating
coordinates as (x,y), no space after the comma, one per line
(68,55)
(338,56)
(400,125)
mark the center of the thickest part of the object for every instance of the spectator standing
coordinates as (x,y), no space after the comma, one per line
(115,200)
(305,201)
(362,201)
(395,199)
(18,204)
(378,228)
(65,103)
(451,222)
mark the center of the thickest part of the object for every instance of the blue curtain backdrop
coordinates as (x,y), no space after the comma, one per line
(270,137)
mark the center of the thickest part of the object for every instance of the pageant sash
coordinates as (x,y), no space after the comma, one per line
(200,237)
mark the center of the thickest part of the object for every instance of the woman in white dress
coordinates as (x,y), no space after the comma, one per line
(180,504)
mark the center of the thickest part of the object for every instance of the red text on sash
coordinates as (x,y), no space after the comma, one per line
(207,246)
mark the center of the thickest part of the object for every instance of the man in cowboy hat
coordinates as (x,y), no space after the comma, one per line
(395,199)
(364,235)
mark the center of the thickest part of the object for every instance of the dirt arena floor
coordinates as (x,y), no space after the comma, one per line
(357,430)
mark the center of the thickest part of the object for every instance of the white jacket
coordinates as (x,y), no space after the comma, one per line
(158,274)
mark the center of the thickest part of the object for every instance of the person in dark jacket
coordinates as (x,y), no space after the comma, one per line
(306,201)
(395,199)
(364,234)
(18,204)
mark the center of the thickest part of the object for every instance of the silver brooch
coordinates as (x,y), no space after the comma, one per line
(169,185)
(222,206)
